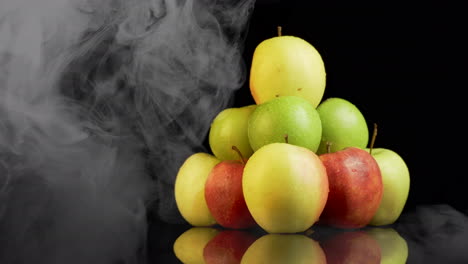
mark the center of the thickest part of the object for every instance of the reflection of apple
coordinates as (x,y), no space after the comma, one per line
(394,248)
(189,246)
(228,247)
(287,65)
(224,195)
(229,128)
(355,188)
(287,115)
(343,125)
(352,247)
(285,187)
(284,248)
(396,185)
(189,189)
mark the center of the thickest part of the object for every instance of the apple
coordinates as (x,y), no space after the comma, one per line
(224,195)
(355,186)
(394,249)
(287,65)
(189,189)
(228,247)
(286,115)
(189,246)
(229,128)
(285,187)
(396,185)
(352,247)
(343,125)
(284,248)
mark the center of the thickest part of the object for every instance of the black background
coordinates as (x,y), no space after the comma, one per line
(402,67)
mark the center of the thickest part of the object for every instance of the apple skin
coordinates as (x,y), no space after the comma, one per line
(394,249)
(228,247)
(285,187)
(284,248)
(356,188)
(229,128)
(352,247)
(189,246)
(287,65)
(225,198)
(343,125)
(285,115)
(396,186)
(189,189)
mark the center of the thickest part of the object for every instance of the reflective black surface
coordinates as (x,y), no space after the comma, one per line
(428,234)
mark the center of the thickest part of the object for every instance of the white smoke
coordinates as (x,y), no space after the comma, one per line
(100,103)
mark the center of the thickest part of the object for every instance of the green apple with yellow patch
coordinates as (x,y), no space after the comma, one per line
(396,186)
(229,128)
(394,249)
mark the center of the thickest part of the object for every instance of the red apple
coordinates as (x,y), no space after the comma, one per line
(225,198)
(356,188)
(228,247)
(352,247)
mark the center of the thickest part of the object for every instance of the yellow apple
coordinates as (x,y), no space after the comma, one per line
(189,246)
(284,248)
(189,189)
(287,65)
(285,187)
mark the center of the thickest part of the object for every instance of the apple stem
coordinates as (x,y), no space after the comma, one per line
(329,146)
(374,135)
(280,31)
(240,154)
(286,138)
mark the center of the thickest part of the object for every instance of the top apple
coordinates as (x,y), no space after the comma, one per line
(287,65)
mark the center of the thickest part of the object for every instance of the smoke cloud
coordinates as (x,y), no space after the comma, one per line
(100,103)
(435,234)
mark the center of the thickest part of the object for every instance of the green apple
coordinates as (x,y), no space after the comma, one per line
(343,125)
(396,185)
(394,249)
(189,189)
(285,187)
(189,246)
(287,65)
(284,248)
(286,115)
(229,128)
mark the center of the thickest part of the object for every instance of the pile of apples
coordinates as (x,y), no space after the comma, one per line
(291,160)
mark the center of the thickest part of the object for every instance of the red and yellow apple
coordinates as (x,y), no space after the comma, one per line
(224,195)
(352,247)
(228,247)
(356,188)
